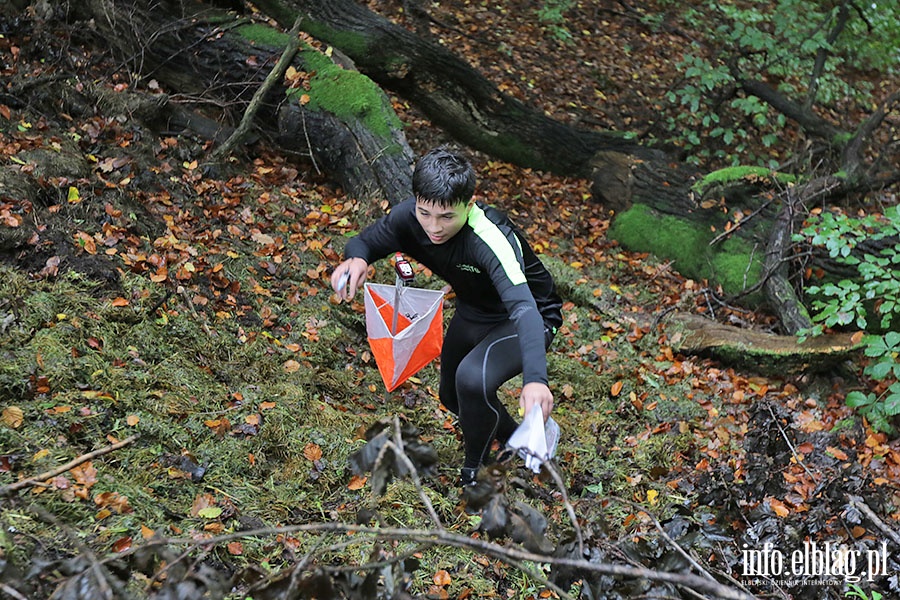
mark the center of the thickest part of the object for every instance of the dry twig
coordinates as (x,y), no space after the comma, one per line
(11,592)
(37,479)
(509,555)
(859,504)
(277,73)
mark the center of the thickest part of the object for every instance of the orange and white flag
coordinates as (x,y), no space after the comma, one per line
(417,334)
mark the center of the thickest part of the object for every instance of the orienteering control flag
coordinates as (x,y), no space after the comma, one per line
(419,332)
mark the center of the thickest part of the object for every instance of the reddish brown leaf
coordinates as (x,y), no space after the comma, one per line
(114,501)
(778,507)
(85,242)
(836,452)
(122,544)
(85,474)
(235,548)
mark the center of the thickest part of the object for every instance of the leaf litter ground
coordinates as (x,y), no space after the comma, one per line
(195,312)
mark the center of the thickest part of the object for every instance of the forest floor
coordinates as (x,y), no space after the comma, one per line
(189,319)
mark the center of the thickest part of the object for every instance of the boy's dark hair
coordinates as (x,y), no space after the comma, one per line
(443,177)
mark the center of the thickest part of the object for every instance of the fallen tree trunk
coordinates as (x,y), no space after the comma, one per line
(734,229)
(625,175)
(688,333)
(352,133)
(210,53)
(457,97)
(764,353)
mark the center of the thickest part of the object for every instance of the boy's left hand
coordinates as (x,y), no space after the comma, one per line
(536,393)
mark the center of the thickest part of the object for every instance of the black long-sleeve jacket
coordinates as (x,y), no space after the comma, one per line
(492,269)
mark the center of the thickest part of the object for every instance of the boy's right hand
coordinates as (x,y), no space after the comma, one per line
(345,287)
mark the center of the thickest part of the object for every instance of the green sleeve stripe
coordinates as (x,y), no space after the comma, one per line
(488,231)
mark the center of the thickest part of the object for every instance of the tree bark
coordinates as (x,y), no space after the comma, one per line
(277,73)
(779,290)
(762,352)
(453,94)
(197,50)
(350,154)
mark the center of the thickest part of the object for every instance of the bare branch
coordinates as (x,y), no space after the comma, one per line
(443,537)
(11,592)
(570,510)
(413,473)
(822,55)
(791,311)
(852,156)
(809,121)
(858,502)
(275,75)
(37,479)
(96,568)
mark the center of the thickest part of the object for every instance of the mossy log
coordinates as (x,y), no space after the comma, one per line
(764,353)
(735,263)
(338,117)
(456,96)
(733,229)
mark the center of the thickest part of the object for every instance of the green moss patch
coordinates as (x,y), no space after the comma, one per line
(736,174)
(351,43)
(263,34)
(351,95)
(348,95)
(733,264)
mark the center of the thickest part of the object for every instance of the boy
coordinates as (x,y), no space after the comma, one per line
(507,306)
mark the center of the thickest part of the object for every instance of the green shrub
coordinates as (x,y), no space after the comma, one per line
(778,42)
(873,300)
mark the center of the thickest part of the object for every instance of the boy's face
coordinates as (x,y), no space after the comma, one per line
(441,222)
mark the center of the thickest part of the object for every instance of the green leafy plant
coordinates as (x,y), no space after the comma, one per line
(551,16)
(781,43)
(876,295)
(857,592)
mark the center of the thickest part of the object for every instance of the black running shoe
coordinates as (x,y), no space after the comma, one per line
(467,476)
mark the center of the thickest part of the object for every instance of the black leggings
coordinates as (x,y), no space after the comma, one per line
(476,360)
